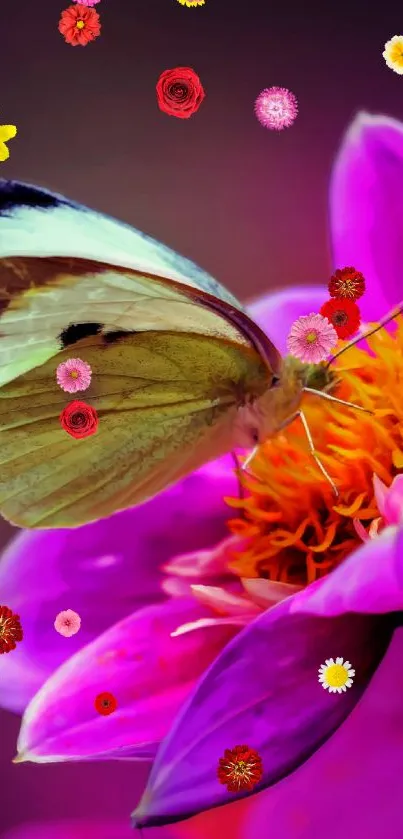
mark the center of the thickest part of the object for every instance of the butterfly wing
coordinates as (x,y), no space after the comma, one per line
(171,362)
(166,403)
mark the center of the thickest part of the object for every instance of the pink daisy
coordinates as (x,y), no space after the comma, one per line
(311,338)
(67,623)
(276,108)
(73,375)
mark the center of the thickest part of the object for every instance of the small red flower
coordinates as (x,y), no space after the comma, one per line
(240,768)
(347,282)
(10,630)
(179,92)
(343,314)
(79,419)
(105,704)
(79,25)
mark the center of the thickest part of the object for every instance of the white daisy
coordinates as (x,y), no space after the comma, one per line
(336,676)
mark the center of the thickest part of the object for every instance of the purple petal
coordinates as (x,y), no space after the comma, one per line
(275,313)
(370,580)
(360,766)
(263,690)
(149,672)
(366,212)
(104,571)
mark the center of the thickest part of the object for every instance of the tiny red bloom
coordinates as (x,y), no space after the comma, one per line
(240,768)
(79,25)
(10,630)
(105,704)
(179,92)
(343,314)
(79,419)
(347,282)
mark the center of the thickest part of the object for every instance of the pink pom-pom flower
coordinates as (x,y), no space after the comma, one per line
(67,623)
(276,108)
(73,375)
(311,338)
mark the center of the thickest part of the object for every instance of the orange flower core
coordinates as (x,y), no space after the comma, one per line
(294,528)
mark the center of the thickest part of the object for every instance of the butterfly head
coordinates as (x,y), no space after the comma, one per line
(263,417)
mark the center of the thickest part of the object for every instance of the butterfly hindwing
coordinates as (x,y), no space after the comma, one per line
(166,403)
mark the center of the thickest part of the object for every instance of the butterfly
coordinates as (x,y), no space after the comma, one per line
(180,372)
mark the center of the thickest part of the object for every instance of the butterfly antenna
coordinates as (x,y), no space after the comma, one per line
(323,395)
(387,319)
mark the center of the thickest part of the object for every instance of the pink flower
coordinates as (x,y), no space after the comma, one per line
(311,338)
(88,2)
(67,623)
(73,375)
(276,108)
(390,506)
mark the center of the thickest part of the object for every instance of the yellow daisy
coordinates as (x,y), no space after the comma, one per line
(393,54)
(7,132)
(191,2)
(336,676)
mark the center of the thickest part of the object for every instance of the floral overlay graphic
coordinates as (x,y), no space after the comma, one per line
(67,623)
(276,108)
(10,630)
(336,676)
(73,375)
(79,419)
(240,768)
(79,24)
(179,92)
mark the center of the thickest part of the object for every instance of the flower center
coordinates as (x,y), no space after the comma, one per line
(80,24)
(292,527)
(340,318)
(336,675)
(74,374)
(311,337)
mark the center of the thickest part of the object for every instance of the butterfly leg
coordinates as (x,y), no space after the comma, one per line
(300,414)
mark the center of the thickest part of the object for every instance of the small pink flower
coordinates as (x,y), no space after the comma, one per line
(67,623)
(311,338)
(73,375)
(276,108)
(87,2)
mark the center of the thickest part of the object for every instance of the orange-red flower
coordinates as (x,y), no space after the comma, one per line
(347,282)
(105,703)
(79,25)
(240,768)
(343,314)
(10,630)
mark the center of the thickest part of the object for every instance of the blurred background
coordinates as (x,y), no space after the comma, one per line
(247,204)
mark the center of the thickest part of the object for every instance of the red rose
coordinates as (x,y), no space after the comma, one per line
(179,92)
(79,419)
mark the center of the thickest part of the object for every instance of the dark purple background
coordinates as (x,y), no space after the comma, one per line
(249,205)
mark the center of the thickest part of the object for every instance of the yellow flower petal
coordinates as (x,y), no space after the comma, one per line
(4,152)
(7,132)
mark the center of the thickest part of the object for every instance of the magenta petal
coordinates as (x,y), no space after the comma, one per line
(263,691)
(369,581)
(70,830)
(276,312)
(104,571)
(366,212)
(149,672)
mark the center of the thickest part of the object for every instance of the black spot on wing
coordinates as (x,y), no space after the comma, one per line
(76,331)
(14,194)
(114,337)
